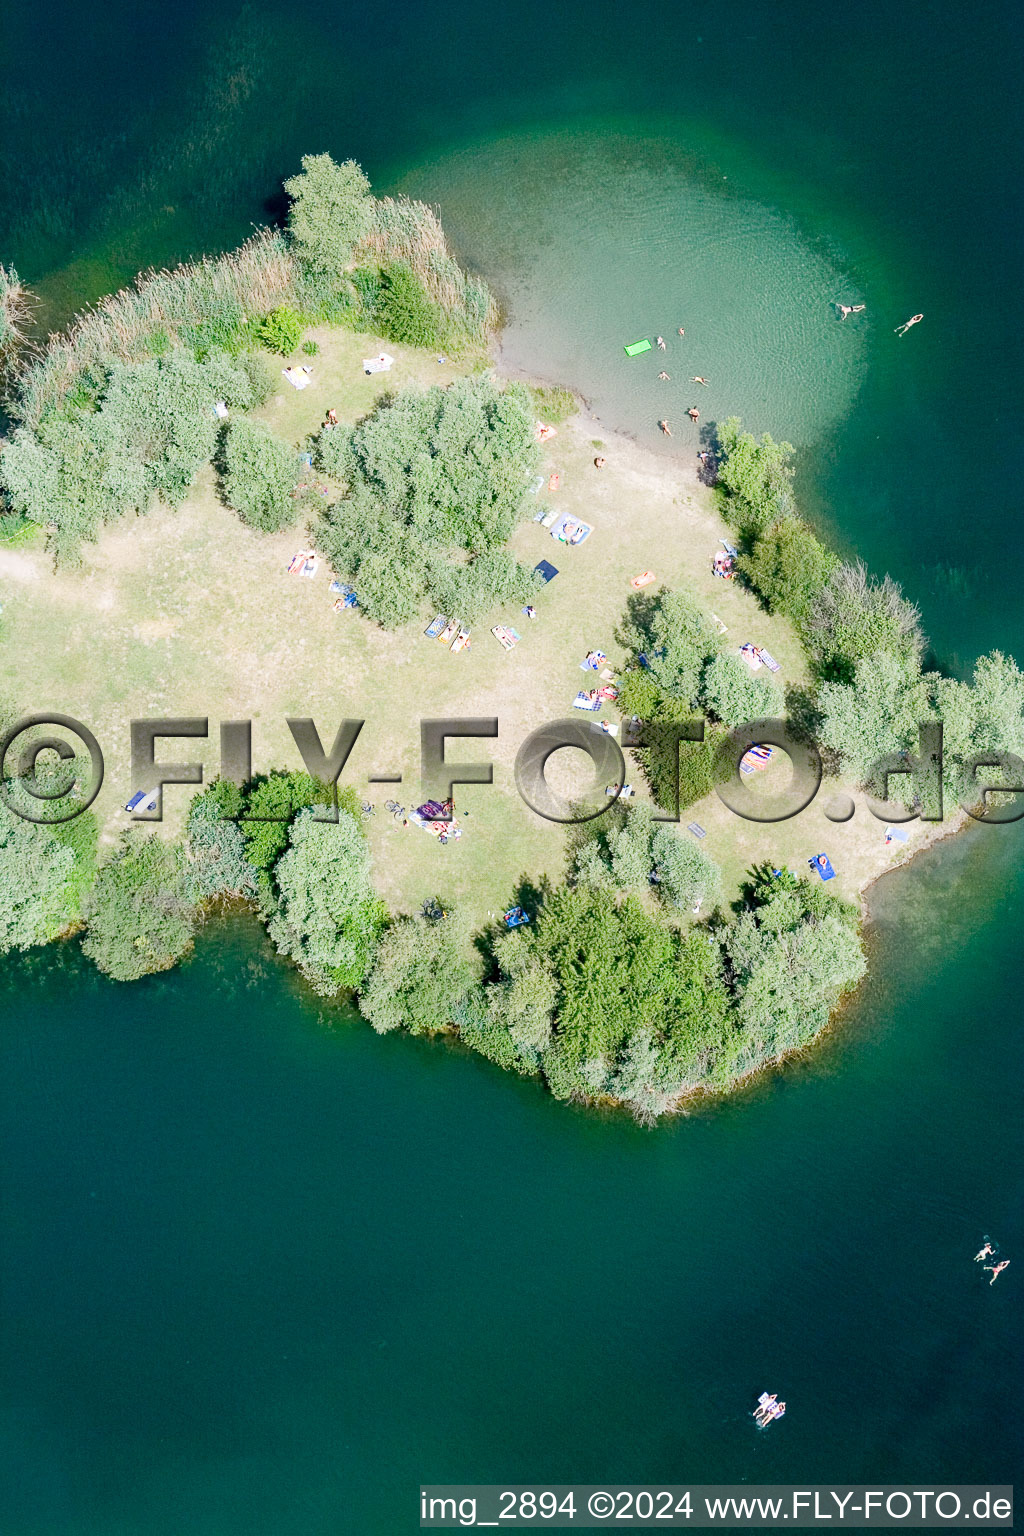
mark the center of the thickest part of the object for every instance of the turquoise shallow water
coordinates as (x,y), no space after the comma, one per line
(263,1271)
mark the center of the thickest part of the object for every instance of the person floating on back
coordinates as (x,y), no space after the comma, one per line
(664,375)
(665,428)
(997,1269)
(847,309)
(986,1251)
(901,330)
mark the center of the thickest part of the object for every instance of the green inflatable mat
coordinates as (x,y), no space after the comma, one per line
(637,348)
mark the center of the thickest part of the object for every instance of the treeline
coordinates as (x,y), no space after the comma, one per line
(871,690)
(120,410)
(602,995)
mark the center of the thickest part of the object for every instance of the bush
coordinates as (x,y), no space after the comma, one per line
(327,918)
(260,475)
(421,977)
(432,476)
(787,567)
(216,865)
(330,211)
(280,331)
(731,692)
(405,312)
(755,478)
(853,617)
(686,877)
(139,917)
(37,883)
(676,638)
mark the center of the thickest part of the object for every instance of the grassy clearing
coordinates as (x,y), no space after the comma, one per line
(190,613)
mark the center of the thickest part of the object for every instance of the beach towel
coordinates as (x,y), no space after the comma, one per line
(570,530)
(821,863)
(298,378)
(768,660)
(461,642)
(583,701)
(379,364)
(545,570)
(696,829)
(643,580)
(635,348)
(896,835)
(220,410)
(449,632)
(515,917)
(535,485)
(435,627)
(506,637)
(144,800)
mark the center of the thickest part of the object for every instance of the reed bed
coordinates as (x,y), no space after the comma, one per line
(211,298)
(407,231)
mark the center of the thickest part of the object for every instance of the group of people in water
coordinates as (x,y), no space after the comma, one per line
(990,1250)
(693,412)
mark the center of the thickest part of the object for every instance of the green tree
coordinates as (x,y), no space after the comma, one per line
(432,476)
(37,883)
(330,211)
(280,331)
(139,917)
(792,959)
(686,876)
(675,636)
(514,1028)
(756,478)
(421,977)
(261,472)
(853,617)
(327,919)
(405,311)
(731,692)
(787,567)
(876,715)
(270,805)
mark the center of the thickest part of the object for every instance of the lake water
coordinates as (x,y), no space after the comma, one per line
(264,1271)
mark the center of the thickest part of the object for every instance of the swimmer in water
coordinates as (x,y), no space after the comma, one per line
(901,330)
(693,413)
(698,380)
(665,428)
(997,1269)
(681,331)
(661,343)
(664,375)
(985,1252)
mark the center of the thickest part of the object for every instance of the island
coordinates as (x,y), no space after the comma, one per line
(289,483)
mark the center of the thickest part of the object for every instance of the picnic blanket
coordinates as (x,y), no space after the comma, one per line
(584,701)
(570,530)
(379,364)
(545,570)
(435,626)
(896,835)
(298,378)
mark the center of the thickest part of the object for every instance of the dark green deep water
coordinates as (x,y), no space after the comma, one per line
(262,1271)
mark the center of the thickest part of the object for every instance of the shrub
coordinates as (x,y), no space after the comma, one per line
(330,210)
(37,883)
(675,637)
(327,918)
(421,977)
(731,692)
(404,310)
(787,567)
(139,917)
(260,475)
(755,478)
(853,617)
(280,331)
(432,476)
(216,865)
(686,876)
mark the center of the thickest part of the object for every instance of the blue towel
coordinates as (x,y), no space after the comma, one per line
(821,863)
